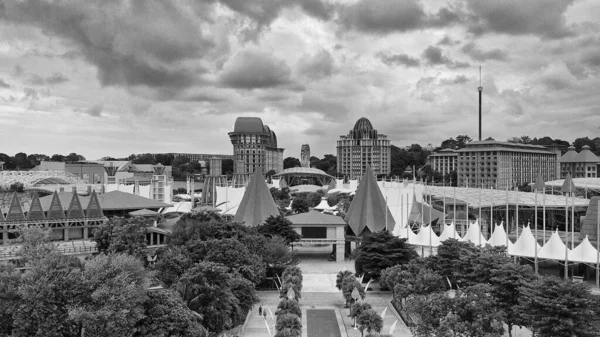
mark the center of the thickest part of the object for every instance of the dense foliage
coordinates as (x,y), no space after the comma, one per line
(280,226)
(381,250)
(288,323)
(121,235)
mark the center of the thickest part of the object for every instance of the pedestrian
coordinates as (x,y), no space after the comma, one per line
(265,314)
(260,310)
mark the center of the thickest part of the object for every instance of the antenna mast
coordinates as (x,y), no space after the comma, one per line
(480,89)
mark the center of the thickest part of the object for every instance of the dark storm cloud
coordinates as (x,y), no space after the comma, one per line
(434,56)
(131,43)
(313,102)
(477,54)
(95,110)
(253,69)
(398,59)
(56,78)
(316,66)
(543,18)
(4,84)
(266,11)
(383,16)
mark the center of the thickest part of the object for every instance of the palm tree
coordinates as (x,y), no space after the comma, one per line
(370,321)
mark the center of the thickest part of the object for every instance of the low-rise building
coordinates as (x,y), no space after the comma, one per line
(584,164)
(91,173)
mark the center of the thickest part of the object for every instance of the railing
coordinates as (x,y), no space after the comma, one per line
(66,250)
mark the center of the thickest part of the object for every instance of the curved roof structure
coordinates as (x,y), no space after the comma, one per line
(248,125)
(301,171)
(31,179)
(363,124)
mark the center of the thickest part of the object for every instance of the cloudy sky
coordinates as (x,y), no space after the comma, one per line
(111,78)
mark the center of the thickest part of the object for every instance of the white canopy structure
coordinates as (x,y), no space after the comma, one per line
(524,246)
(324,206)
(490,197)
(426,237)
(591,183)
(178,207)
(584,252)
(499,237)
(229,197)
(554,249)
(474,235)
(450,232)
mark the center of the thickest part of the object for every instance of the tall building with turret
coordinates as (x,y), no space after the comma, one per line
(255,147)
(361,147)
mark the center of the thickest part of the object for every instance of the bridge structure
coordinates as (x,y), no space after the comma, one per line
(37,179)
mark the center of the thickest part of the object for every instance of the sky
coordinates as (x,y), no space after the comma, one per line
(112,78)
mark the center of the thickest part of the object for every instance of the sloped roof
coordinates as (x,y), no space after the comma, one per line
(586,156)
(257,204)
(315,218)
(569,156)
(144,212)
(301,171)
(116,200)
(65,200)
(368,208)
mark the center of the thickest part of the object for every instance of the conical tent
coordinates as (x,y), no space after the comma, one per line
(56,210)
(94,209)
(426,237)
(474,235)
(524,244)
(75,209)
(15,211)
(368,208)
(498,237)
(585,252)
(554,249)
(449,232)
(257,204)
(36,212)
(324,205)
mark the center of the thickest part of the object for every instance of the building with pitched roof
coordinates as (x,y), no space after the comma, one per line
(255,147)
(443,161)
(584,164)
(362,147)
(318,228)
(257,204)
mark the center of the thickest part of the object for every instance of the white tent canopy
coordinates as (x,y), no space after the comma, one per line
(426,237)
(450,232)
(584,252)
(554,249)
(499,237)
(591,183)
(324,206)
(524,246)
(474,235)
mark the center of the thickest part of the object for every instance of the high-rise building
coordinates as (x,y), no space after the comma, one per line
(584,164)
(255,147)
(443,161)
(493,164)
(361,147)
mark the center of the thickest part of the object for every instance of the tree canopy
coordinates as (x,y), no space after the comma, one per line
(379,251)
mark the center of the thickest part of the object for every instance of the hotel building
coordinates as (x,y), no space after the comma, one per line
(361,147)
(493,164)
(443,161)
(580,165)
(255,147)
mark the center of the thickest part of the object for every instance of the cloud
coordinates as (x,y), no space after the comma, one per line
(56,78)
(382,16)
(251,69)
(18,71)
(4,84)
(398,59)
(266,11)
(316,66)
(149,43)
(434,56)
(477,54)
(30,94)
(458,79)
(543,18)
(447,41)
(95,110)
(330,109)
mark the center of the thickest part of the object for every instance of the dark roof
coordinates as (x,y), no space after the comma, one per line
(144,212)
(302,171)
(248,125)
(586,156)
(368,208)
(65,200)
(363,124)
(257,204)
(117,200)
(569,156)
(316,218)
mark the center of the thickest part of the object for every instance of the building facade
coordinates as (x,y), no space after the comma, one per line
(196,157)
(493,164)
(255,147)
(361,147)
(584,164)
(443,161)
(91,173)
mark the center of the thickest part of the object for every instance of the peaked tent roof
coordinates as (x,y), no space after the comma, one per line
(554,249)
(324,205)
(585,252)
(36,212)
(75,210)
(539,183)
(474,234)
(368,208)
(499,237)
(415,213)
(15,211)
(569,156)
(94,209)
(315,218)
(450,232)
(524,244)
(425,237)
(257,204)
(568,186)
(55,208)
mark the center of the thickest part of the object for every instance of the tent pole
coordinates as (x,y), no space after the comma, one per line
(572,220)
(566,237)
(544,216)
(536,234)
(385,210)
(598,247)
(480,220)
(506,219)
(430,223)
(517,221)
(454,215)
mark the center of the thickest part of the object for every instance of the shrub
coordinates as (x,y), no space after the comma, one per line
(287,306)
(290,323)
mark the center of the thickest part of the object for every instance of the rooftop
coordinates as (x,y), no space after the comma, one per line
(248,125)
(316,218)
(301,171)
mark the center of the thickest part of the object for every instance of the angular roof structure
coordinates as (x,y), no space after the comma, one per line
(450,232)
(315,218)
(55,207)
(426,237)
(524,246)
(586,156)
(15,211)
(474,235)
(585,252)
(117,200)
(368,208)
(554,249)
(569,156)
(94,209)
(36,212)
(499,237)
(257,204)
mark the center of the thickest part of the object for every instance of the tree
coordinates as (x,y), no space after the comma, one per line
(47,292)
(205,290)
(291,162)
(556,307)
(10,279)
(230,253)
(115,288)
(289,322)
(227,166)
(474,312)
(35,243)
(369,321)
(171,264)
(462,141)
(165,314)
(507,281)
(580,142)
(279,226)
(358,308)
(288,306)
(390,276)
(340,278)
(270,174)
(423,282)
(348,285)
(277,253)
(428,311)
(244,291)
(120,235)
(448,263)
(300,205)
(381,250)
